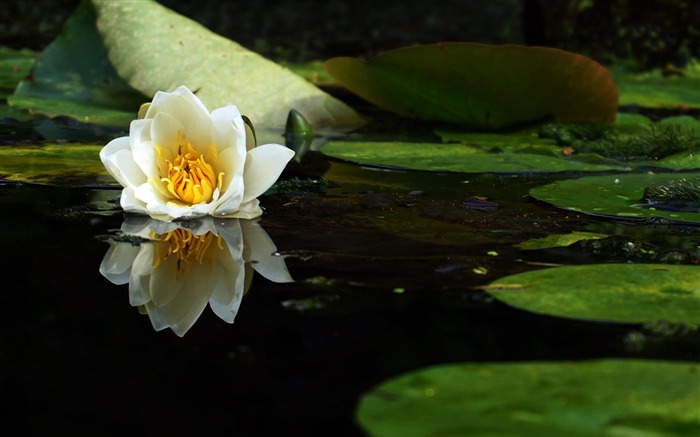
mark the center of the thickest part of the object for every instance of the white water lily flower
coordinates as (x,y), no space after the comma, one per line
(186,265)
(180,161)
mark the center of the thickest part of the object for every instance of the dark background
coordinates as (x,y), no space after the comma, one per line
(644,33)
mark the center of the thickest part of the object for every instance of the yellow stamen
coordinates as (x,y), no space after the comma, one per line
(188,178)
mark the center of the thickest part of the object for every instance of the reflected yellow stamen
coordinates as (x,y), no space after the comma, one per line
(187,247)
(188,177)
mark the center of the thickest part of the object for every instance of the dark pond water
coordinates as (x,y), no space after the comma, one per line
(387,268)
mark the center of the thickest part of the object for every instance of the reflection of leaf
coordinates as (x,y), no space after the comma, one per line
(73,76)
(632,293)
(155,49)
(614,195)
(583,399)
(482,85)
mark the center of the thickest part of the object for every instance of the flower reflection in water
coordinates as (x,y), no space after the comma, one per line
(175,268)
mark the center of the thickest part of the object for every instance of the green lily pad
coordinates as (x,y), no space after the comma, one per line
(616,196)
(559,240)
(156,49)
(512,155)
(490,87)
(54,164)
(73,77)
(631,293)
(654,89)
(543,399)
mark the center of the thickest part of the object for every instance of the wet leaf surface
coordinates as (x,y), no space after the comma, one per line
(619,196)
(631,293)
(655,89)
(589,398)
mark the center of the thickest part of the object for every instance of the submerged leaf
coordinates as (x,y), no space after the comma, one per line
(156,49)
(543,399)
(490,87)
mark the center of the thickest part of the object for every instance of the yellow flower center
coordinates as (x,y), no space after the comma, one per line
(187,247)
(187,176)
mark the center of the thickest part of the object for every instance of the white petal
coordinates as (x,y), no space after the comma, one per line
(229,129)
(248,210)
(119,162)
(199,131)
(186,108)
(188,95)
(140,130)
(130,203)
(232,161)
(164,130)
(263,167)
(149,196)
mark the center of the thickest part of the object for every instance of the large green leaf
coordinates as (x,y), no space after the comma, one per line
(617,196)
(633,293)
(498,153)
(15,65)
(73,77)
(543,399)
(482,85)
(156,49)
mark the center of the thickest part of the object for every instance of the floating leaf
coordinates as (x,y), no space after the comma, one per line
(156,49)
(655,89)
(481,85)
(633,293)
(617,196)
(73,77)
(559,240)
(489,155)
(543,399)
(55,164)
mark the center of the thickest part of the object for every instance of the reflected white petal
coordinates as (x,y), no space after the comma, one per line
(117,262)
(259,250)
